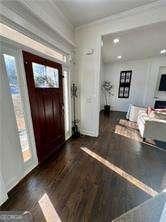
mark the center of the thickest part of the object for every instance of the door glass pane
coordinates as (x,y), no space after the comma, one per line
(18,108)
(45,76)
(53,77)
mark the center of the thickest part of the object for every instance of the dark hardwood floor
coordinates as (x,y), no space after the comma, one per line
(81,188)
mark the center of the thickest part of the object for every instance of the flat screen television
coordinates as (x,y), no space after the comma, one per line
(162,86)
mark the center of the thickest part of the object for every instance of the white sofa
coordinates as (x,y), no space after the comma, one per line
(133,111)
(151,128)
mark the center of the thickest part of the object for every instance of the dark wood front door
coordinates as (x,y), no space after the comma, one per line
(44,81)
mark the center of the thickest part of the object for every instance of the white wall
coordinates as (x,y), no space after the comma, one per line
(42,22)
(3,192)
(102,78)
(143,83)
(88,67)
(49,13)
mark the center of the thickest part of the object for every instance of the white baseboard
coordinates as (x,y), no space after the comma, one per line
(30,168)
(120,109)
(13,182)
(88,133)
(3,199)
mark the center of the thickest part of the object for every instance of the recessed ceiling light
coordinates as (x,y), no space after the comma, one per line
(116,40)
(119,57)
(163,51)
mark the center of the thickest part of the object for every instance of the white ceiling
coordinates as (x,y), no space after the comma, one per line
(140,43)
(81,12)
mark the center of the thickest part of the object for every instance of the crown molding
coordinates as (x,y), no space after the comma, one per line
(43,16)
(15,21)
(131,12)
(52,2)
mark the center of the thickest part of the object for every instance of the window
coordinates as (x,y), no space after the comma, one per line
(66,101)
(45,76)
(10,64)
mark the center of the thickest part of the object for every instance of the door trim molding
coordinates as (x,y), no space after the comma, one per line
(17,53)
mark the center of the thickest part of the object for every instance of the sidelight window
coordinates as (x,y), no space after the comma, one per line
(11,71)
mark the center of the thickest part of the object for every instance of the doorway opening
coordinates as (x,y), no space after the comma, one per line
(45,88)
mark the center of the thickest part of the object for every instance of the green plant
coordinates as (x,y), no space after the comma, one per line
(107,90)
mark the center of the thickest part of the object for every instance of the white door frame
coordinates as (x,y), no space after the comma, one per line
(67,69)
(14,49)
(17,54)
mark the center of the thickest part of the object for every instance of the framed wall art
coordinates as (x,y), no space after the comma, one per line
(124,84)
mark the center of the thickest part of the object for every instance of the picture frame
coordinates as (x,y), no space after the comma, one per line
(124,84)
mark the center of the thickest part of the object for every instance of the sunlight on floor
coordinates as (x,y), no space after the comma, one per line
(127,123)
(26,155)
(48,209)
(130,130)
(127,132)
(121,172)
(152,145)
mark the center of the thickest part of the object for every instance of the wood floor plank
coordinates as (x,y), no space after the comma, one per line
(81,188)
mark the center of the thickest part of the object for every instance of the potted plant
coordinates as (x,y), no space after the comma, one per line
(107,91)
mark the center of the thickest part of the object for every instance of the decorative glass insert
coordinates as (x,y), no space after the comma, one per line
(45,76)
